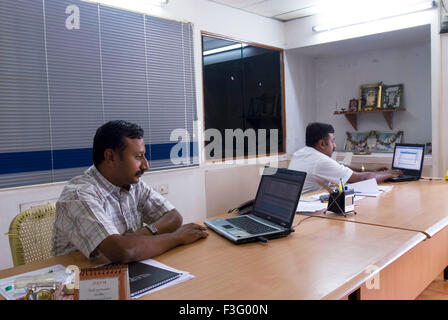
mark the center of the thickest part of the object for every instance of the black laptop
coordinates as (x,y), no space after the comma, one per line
(409,159)
(273,212)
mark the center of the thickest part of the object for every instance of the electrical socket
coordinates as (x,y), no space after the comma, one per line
(161,188)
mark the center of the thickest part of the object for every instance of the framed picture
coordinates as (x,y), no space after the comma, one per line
(356,141)
(370,96)
(385,141)
(392,97)
(353,106)
(372,141)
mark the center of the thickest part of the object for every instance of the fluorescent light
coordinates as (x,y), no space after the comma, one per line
(226,48)
(158,2)
(340,21)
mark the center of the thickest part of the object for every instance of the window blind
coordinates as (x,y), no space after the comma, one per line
(58,85)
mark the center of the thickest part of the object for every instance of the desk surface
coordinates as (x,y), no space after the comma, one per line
(418,205)
(322,259)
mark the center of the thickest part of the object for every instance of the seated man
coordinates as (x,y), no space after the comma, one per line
(315,159)
(109,210)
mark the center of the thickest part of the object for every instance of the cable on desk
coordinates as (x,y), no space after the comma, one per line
(301,222)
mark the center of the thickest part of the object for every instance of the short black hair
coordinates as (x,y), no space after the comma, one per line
(111,136)
(316,131)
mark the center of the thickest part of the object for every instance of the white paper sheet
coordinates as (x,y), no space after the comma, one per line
(368,188)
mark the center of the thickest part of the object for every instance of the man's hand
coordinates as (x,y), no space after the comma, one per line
(395,173)
(191,232)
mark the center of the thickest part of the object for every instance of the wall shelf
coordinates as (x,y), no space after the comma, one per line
(352,116)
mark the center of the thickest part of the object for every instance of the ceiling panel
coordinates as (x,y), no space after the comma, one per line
(238,3)
(272,8)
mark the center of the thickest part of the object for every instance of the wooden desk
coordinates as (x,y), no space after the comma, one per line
(418,206)
(322,259)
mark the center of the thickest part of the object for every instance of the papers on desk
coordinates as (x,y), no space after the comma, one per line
(184,276)
(369,188)
(310,207)
(8,291)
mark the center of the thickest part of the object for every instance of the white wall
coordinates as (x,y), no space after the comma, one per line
(300,98)
(298,34)
(339,78)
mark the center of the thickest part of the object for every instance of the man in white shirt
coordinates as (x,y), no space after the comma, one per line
(109,210)
(315,159)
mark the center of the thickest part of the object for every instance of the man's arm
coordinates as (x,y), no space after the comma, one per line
(169,222)
(136,247)
(379,176)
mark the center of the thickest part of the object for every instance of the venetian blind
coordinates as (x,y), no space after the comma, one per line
(60,81)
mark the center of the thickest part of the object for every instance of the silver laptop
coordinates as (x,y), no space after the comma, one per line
(273,212)
(409,159)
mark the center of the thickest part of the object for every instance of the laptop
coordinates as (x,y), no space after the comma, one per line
(409,159)
(273,212)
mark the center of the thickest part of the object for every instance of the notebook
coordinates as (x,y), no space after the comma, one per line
(273,212)
(143,277)
(409,159)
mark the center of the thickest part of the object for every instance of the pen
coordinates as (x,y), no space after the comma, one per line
(8,288)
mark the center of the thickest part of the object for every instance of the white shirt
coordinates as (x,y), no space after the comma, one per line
(318,166)
(91,208)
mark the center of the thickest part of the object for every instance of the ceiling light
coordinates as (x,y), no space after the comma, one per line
(226,48)
(363,16)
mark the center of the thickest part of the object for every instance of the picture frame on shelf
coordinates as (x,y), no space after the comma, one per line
(392,97)
(370,96)
(353,106)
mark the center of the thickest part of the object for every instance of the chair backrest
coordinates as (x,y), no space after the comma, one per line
(30,234)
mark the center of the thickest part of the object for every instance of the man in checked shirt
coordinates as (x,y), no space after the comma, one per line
(109,210)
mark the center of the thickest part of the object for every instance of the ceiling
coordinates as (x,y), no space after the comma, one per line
(392,39)
(283,10)
(286,10)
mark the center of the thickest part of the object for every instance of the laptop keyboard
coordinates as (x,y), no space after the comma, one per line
(250,225)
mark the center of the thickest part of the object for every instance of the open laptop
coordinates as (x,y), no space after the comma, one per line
(409,159)
(273,212)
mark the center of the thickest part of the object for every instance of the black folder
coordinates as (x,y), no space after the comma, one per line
(143,277)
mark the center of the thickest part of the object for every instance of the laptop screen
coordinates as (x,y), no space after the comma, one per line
(278,195)
(408,157)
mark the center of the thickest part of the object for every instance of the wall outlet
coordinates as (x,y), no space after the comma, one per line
(160,188)
(163,188)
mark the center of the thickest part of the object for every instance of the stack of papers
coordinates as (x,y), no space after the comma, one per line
(369,188)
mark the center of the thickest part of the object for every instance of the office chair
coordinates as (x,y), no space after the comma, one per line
(30,234)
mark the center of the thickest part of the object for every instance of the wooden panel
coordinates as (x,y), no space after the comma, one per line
(407,277)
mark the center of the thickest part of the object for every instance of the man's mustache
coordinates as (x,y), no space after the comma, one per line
(140,173)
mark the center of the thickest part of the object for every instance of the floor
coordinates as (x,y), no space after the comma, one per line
(437,290)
